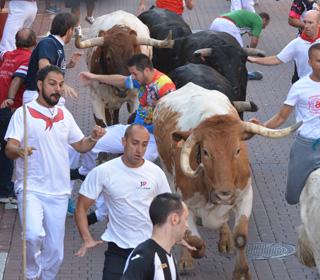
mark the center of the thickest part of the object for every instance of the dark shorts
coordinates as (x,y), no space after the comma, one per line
(304,158)
(114,262)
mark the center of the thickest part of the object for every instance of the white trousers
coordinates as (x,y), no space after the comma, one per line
(111,143)
(242,5)
(21,14)
(45,229)
(227,26)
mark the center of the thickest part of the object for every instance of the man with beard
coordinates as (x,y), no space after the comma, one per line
(50,129)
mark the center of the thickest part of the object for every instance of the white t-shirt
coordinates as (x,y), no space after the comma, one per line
(297,50)
(128,193)
(304,95)
(49,134)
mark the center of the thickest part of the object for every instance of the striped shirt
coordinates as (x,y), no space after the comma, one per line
(149,261)
(13,64)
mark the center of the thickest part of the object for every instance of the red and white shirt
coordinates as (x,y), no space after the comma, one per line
(13,64)
(175,6)
(49,132)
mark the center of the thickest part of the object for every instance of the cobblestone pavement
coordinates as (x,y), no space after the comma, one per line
(272,219)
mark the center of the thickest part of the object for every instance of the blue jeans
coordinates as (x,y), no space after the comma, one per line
(6,165)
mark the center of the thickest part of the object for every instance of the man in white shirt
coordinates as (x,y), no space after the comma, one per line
(297,49)
(304,98)
(50,129)
(128,185)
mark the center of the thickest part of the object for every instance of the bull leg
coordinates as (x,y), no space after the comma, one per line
(225,244)
(116,116)
(240,236)
(108,116)
(193,238)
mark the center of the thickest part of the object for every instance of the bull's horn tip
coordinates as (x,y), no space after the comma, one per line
(254,107)
(297,125)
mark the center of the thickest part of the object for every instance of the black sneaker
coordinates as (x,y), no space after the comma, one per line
(75,175)
(255,75)
(92,218)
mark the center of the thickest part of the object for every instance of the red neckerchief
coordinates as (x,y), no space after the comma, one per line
(49,121)
(306,38)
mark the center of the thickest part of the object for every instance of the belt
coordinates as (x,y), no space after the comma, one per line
(229,19)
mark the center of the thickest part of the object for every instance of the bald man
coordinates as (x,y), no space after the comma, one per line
(297,49)
(128,185)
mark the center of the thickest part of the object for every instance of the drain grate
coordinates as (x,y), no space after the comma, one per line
(264,251)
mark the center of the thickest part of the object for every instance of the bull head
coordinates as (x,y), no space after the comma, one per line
(99,41)
(187,141)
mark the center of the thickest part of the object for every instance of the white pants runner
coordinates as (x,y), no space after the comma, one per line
(45,229)
(21,14)
(242,5)
(225,25)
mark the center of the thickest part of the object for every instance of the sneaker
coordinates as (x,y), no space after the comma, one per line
(255,75)
(90,19)
(4,200)
(53,10)
(71,207)
(92,218)
(75,175)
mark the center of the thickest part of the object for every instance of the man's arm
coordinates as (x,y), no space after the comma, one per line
(13,149)
(189,4)
(141,7)
(83,204)
(112,80)
(16,83)
(279,118)
(254,42)
(43,62)
(268,60)
(87,143)
(295,22)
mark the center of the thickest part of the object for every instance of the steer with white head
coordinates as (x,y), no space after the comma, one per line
(201,142)
(112,40)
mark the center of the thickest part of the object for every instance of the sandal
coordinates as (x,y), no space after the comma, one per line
(90,19)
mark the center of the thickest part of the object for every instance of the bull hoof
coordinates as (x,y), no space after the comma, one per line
(186,265)
(198,243)
(226,246)
(241,275)
(240,241)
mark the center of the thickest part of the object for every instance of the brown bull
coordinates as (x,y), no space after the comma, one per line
(201,143)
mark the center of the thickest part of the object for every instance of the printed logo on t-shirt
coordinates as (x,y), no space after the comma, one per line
(314,104)
(49,121)
(143,186)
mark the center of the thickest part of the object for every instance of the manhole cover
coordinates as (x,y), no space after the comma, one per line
(264,251)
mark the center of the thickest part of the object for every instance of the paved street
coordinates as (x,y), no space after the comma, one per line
(273,220)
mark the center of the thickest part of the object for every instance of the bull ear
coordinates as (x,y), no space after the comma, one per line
(178,137)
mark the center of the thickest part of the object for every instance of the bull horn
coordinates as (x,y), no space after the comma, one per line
(185,158)
(203,52)
(268,132)
(93,42)
(254,52)
(245,106)
(166,43)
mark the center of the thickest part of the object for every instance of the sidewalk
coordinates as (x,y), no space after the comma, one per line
(272,220)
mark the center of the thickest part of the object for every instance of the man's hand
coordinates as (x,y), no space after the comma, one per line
(69,92)
(21,151)
(86,77)
(187,245)
(74,59)
(141,8)
(86,246)
(97,132)
(6,103)
(252,59)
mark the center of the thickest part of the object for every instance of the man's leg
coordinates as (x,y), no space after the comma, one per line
(55,211)
(236,5)
(6,165)
(30,9)
(34,232)
(114,262)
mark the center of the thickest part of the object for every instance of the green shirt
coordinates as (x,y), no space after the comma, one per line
(246,21)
